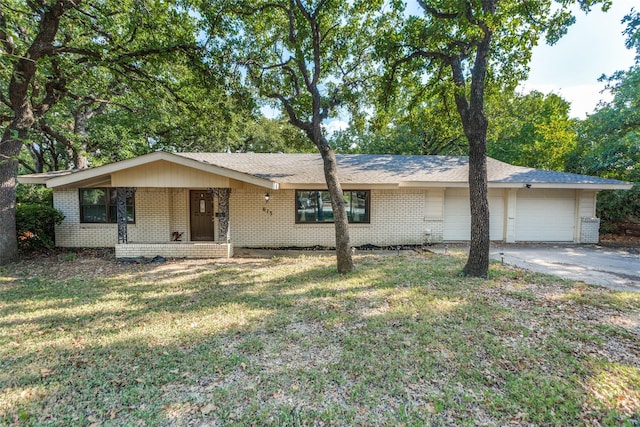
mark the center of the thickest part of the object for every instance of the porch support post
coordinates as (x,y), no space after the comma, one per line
(122,194)
(223,208)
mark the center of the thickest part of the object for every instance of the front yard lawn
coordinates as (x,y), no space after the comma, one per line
(288,341)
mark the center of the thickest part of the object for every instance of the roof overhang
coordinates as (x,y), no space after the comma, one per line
(344,185)
(102,173)
(563,185)
(41,178)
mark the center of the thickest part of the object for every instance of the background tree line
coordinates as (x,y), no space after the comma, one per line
(88,83)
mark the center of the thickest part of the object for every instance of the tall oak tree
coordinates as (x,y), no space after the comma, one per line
(461,45)
(310,57)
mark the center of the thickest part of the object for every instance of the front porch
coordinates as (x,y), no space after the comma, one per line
(205,211)
(175,250)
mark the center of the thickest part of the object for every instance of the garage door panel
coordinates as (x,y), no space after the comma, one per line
(457,216)
(545,215)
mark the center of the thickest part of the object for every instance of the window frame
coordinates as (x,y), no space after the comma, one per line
(107,206)
(367,207)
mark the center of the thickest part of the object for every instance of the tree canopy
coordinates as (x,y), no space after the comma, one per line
(91,83)
(464,46)
(309,58)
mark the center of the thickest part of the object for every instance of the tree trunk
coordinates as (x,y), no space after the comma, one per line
(81,117)
(343,245)
(475,124)
(9,150)
(478,261)
(23,74)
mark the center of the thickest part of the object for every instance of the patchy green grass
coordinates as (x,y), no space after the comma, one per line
(288,341)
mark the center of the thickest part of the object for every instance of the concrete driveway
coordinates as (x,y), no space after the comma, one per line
(614,268)
(617,269)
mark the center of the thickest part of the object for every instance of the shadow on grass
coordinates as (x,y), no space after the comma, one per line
(289,341)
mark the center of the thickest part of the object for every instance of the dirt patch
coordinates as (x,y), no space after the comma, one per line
(627,242)
(99,263)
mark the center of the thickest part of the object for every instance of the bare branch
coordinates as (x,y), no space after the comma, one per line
(27,166)
(326,33)
(279,65)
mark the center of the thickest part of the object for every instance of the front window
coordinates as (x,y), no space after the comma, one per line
(99,205)
(315,206)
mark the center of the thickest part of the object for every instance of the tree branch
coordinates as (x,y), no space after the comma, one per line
(45,128)
(291,112)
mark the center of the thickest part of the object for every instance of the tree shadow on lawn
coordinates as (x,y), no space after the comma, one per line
(385,344)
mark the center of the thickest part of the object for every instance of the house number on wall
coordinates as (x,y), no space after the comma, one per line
(267,211)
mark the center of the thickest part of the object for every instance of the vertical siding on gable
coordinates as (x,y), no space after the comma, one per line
(586,203)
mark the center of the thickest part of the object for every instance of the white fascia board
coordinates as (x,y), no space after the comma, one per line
(26,179)
(432,184)
(567,186)
(42,178)
(153,157)
(345,186)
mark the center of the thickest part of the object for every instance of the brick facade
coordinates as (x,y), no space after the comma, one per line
(152,220)
(397,217)
(589,230)
(175,250)
(401,216)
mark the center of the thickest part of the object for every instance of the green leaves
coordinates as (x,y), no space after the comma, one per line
(309,57)
(531,130)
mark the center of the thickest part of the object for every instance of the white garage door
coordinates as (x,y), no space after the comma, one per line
(457,217)
(545,215)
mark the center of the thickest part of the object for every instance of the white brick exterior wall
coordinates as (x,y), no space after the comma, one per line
(589,230)
(152,220)
(174,250)
(397,217)
(400,216)
(179,213)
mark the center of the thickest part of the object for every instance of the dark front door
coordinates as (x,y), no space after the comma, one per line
(202,219)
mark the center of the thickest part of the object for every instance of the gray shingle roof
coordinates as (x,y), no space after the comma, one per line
(357,169)
(383,169)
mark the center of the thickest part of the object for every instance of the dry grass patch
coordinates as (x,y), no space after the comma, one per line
(288,341)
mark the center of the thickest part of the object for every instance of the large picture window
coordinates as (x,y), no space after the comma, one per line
(315,206)
(99,205)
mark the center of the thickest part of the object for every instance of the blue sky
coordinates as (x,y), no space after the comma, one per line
(593,46)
